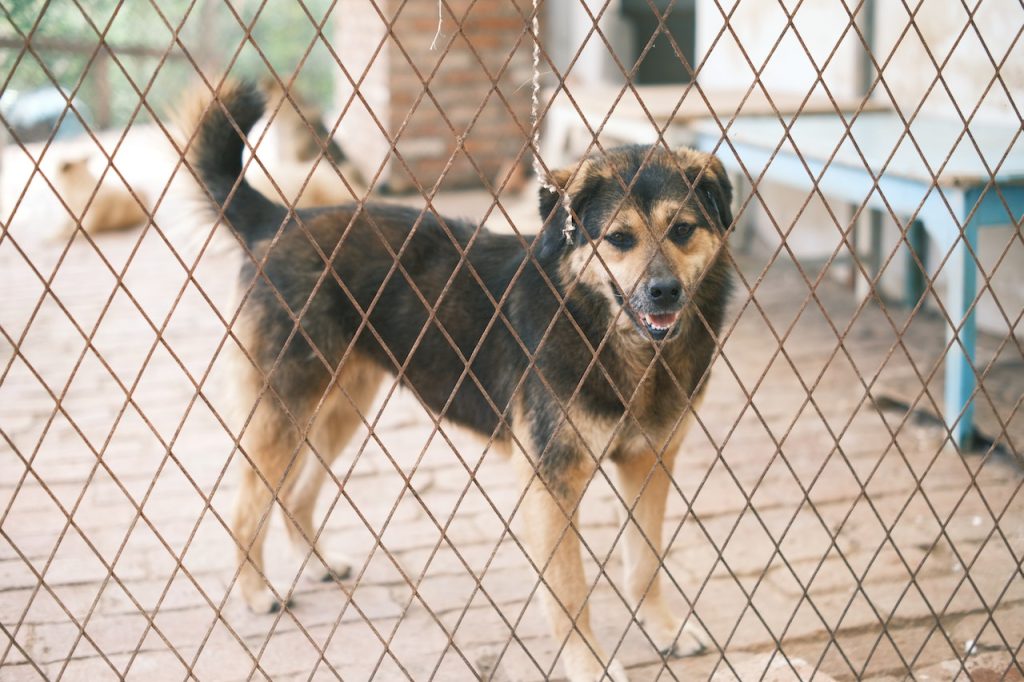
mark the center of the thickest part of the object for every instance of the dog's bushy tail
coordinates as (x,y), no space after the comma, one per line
(217,126)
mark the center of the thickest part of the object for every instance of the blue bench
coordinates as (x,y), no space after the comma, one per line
(942,179)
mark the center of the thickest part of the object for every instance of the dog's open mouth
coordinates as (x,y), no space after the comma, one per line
(659,324)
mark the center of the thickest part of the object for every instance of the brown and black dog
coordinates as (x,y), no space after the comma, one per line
(598,350)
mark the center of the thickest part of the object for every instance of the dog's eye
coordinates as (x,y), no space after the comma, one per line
(620,240)
(682,231)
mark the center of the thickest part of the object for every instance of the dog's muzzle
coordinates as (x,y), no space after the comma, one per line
(648,311)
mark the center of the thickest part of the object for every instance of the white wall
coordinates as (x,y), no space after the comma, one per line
(790,66)
(969,69)
(566,27)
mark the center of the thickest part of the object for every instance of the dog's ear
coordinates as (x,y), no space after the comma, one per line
(578,184)
(715,191)
(67,165)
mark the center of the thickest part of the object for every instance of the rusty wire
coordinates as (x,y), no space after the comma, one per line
(525,38)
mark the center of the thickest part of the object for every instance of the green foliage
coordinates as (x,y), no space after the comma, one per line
(212,33)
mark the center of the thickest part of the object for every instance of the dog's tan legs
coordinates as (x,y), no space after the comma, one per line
(299,502)
(556,549)
(253,507)
(335,424)
(276,447)
(645,481)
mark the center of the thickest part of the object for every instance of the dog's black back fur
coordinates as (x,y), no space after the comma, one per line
(401,337)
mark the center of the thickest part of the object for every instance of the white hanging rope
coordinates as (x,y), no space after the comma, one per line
(542,177)
(437,34)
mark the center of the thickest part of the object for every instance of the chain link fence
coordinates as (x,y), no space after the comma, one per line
(845,503)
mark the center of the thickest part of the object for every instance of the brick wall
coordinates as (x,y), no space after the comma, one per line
(462,98)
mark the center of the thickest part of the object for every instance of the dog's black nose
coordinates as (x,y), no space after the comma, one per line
(665,290)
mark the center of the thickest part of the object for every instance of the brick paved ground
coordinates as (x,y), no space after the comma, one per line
(796,550)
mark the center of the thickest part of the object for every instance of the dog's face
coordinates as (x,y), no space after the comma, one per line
(648,224)
(75,170)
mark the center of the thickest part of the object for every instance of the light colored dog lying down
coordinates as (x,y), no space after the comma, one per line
(113,208)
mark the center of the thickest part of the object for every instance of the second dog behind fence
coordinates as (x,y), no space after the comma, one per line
(97,205)
(304,168)
(599,350)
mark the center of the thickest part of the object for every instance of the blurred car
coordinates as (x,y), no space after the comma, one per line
(33,114)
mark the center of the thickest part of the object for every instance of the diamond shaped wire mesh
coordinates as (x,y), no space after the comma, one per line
(812,529)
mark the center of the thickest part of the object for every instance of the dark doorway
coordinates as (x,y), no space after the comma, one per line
(661,64)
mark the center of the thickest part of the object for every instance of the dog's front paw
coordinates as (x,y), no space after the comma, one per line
(334,566)
(263,601)
(670,636)
(616,672)
(590,670)
(691,640)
